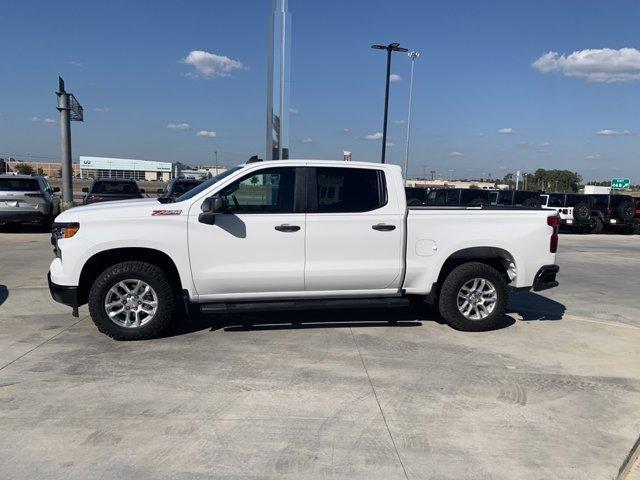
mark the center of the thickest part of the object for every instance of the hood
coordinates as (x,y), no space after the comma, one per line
(143,207)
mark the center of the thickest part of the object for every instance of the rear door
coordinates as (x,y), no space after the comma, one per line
(354,235)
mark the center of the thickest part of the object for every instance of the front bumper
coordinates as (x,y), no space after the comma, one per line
(67,295)
(546,278)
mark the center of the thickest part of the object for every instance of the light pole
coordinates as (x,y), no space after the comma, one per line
(413,56)
(392,47)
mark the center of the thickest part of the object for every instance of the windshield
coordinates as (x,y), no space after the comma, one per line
(18,185)
(117,188)
(204,185)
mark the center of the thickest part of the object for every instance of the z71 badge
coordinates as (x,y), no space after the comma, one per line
(166,212)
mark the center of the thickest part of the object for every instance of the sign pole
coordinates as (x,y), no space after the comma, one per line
(65,143)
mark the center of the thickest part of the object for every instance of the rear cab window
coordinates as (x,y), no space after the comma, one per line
(115,188)
(19,185)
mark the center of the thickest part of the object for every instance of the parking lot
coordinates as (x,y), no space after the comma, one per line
(555,393)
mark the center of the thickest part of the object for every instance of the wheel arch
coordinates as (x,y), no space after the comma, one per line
(495,257)
(100,261)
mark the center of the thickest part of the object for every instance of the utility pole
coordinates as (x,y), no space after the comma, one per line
(433,175)
(413,56)
(216,154)
(392,47)
(69,109)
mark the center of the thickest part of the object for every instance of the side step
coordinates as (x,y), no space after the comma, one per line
(311,304)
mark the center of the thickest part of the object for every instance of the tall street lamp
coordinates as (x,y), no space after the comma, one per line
(392,47)
(413,56)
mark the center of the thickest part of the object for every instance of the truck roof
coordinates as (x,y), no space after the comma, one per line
(338,163)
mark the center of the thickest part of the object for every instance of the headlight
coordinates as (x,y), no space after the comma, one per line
(62,230)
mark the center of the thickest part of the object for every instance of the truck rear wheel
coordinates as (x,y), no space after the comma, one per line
(473,297)
(132,301)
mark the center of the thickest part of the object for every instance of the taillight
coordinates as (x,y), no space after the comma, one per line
(554,222)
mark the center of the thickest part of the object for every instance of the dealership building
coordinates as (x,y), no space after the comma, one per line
(104,167)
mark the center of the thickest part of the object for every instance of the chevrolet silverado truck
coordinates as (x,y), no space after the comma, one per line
(296,234)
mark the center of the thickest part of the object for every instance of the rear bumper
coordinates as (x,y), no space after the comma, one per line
(18,216)
(546,278)
(67,295)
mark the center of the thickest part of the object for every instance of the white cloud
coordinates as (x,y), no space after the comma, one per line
(506,131)
(526,144)
(307,140)
(398,122)
(76,64)
(374,136)
(179,126)
(43,120)
(456,154)
(294,111)
(206,133)
(394,77)
(478,134)
(613,133)
(592,157)
(604,65)
(101,109)
(211,65)
(346,130)
(390,144)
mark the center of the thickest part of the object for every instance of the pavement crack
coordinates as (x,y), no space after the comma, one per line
(375,395)
(42,343)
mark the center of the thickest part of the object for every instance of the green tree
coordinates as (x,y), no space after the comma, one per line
(24,169)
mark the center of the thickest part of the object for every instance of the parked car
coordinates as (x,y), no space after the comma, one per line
(27,199)
(636,220)
(613,212)
(107,189)
(416,195)
(458,197)
(523,198)
(178,186)
(576,213)
(279,244)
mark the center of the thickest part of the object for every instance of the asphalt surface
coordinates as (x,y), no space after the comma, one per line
(555,393)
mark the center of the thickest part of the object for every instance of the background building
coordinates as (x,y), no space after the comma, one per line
(440,183)
(48,169)
(104,167)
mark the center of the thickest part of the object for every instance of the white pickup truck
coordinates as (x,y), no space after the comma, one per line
(296,234)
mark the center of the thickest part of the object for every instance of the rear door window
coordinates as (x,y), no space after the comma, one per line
(505,197)
(474,197)
(453,197)
(19,185)
(349,190)
(556,200)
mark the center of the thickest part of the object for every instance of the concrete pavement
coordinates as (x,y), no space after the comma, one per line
(553,394)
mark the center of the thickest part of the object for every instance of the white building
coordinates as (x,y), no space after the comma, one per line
(104,167)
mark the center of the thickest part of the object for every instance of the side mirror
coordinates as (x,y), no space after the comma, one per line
(211,207)
(85,189)
(56,189)
(142,190)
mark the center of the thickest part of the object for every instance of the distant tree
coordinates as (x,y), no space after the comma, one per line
(473,186)
(24,169)
(39,171)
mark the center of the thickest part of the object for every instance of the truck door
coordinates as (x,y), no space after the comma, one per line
(258,246)
(354,237)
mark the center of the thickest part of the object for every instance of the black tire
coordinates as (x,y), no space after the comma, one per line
(596,225)
(635,226)
(531,202)
(155,278)
(581,212)
(626,211)
(448,297)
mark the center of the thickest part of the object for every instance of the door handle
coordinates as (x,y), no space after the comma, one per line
(383,227)
(285,227)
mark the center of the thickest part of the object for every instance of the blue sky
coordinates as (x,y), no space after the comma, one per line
(124,62)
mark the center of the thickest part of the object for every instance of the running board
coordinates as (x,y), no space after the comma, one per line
(312,304)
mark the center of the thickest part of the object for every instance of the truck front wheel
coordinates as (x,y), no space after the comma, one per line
(132,301)
(473,297)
